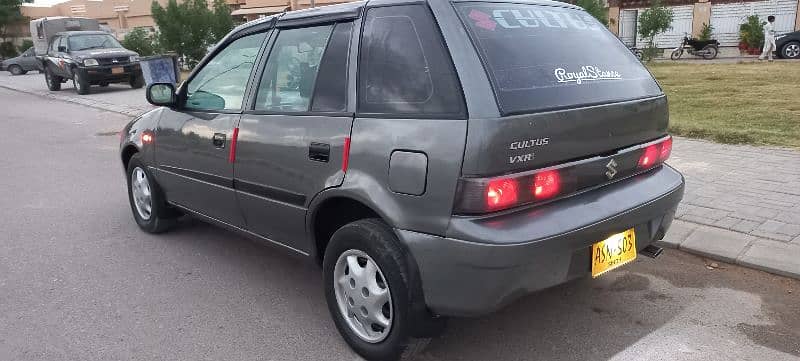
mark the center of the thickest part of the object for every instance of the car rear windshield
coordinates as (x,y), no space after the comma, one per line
(544,57)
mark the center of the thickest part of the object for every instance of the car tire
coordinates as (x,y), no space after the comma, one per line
(137,81)
(16,70)
(384,267)
(81,84)
(53,81)
(143,191)
(791,50)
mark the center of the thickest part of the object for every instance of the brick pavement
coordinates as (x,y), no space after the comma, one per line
(742,204)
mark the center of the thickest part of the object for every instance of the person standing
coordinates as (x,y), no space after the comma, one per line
(769,39)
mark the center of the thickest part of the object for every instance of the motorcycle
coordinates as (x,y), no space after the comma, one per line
(708,49)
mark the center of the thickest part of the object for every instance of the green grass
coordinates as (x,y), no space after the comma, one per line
(756,103)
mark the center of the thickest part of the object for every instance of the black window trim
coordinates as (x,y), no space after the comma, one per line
(463,115)
(250,110)
(183,88)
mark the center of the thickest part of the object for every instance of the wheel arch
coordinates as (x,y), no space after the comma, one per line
(332,210)
(127,153)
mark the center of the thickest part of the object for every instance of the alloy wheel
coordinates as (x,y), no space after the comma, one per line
(363,297)
(141,193)
(792,51)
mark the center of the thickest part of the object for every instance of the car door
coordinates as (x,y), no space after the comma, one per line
(193,140)
(27,61)
(55,61)
(292,138)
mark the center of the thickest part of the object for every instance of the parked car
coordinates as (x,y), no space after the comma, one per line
(90,58)
(436,159)
(21,64)
(788,45)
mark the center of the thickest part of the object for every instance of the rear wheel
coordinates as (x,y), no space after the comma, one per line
(150,209)
(80,83)
(710,52)
(53,81)
(791,50)
(676,54)
(16,70)
(370,291)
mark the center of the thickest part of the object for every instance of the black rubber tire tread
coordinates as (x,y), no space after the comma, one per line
(55,81)
(81,84)
(137,81)
(374,237)
(162,217)
(16,70)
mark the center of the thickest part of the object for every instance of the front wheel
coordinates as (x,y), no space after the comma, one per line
(53,81)
(676,54)
(710,52)
(150,209)
(370,291)
(791,50)
(137,81)
(80,83)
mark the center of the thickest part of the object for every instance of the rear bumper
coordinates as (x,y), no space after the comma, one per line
(485,263)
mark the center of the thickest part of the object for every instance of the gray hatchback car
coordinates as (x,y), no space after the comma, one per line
(438,158)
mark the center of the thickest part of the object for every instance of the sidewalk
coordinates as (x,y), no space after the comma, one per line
(742,205)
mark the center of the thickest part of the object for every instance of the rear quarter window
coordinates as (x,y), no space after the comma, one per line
(544,57)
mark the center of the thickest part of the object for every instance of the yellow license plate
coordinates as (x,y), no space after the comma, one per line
(613,252)
(117,70)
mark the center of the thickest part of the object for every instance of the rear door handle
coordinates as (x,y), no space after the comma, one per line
(219,140)
(319,152)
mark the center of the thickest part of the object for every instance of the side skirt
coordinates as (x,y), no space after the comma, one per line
(242,231)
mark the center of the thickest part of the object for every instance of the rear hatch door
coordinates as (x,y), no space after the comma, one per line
(565,86)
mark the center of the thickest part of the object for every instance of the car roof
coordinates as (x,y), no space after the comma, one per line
(353,10)
(82,32)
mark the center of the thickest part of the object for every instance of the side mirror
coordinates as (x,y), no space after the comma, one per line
(62,49)
(162,94)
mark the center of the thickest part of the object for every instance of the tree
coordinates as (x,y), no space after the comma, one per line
(222,22)
(191,27)
(26,44)
(596,8)
(653,21)
(141,42)
(9,15)
(706,32)
(752,32)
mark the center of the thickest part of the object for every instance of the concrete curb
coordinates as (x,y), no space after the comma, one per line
(96,104)
(733,247)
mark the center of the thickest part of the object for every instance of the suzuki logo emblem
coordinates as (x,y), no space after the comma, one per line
(612,169)
(115,61)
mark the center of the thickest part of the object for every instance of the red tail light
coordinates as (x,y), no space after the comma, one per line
(501,193)
(649,157)
(666,149)
(546,184)
(655,153)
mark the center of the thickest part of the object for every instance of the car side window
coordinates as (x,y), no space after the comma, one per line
(221,83)
(404,67)
(54,44)
(330,93)
(291,70)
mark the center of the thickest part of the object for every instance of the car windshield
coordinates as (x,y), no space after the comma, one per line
(93,41)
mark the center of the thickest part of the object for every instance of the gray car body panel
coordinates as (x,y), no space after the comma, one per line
(469,265)
(27,61)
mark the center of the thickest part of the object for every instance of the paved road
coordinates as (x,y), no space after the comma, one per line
(120,98)
(79,281)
